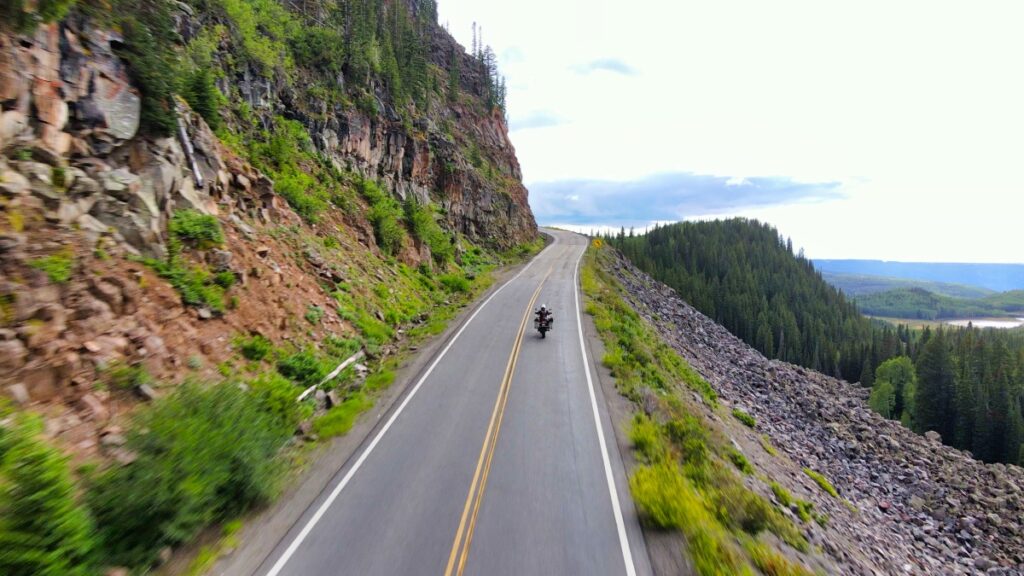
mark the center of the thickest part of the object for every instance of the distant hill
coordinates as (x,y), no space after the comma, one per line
(997,277)
(856,285)
(745,276)
(922,304)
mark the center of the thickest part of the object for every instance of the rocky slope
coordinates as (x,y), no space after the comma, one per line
(85,197)
(917,506)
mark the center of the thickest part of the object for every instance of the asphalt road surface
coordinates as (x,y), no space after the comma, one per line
(499,460)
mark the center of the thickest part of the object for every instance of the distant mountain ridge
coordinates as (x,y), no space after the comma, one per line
(856,285)
(923,304)
(997,277)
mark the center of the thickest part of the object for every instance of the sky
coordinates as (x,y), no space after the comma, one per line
(889,130)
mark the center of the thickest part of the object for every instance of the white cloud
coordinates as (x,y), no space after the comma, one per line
(912,106)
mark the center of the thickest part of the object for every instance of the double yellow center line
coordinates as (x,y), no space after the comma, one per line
(464,535)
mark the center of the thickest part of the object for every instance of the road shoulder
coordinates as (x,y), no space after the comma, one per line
(658,554)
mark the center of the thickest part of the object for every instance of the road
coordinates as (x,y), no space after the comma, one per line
(491,463)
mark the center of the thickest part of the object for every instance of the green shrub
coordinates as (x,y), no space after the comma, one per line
(805,510)
(385,215)
(59,177)
(772,563)
(822,482)
(427,231)
(319,49)
(454,282)
(781,494)
(224,279)
(314,314)
(647,440)
(277,396)
(340,419)
(149,48)
(666,498)
(747,420)
(387,226)
(739,460)
(689,436)
(24,15)
(304,367)
(196,285)
(340,348)
(300,191)
(126,376)
(203,455)
(379,380)
(744,509)
(263,27)
(57,266)
(374,331)
(43,529)
(196,229)
(254,348)
(200,91)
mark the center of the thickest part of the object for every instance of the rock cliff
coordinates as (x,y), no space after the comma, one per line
(917,506)
(91,278)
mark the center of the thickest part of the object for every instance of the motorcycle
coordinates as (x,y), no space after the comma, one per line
(543,325)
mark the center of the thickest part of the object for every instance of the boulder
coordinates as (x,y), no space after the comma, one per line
(107,293)
(13,183)
(94,408)
(112,106)
(12,125)
(19,393)
(13,355)
(40,379)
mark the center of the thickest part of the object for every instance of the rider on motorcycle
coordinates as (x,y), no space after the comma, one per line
(544,314)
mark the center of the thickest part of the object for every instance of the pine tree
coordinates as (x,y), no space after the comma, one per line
(867,374)
(935,378)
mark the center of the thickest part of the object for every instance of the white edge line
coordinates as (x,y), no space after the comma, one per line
(279,565)
(620,525)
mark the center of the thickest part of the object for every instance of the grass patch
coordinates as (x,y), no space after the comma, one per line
(305,367)
(454,282)
(340,419)
(822,482)
(125,376)
(771,563)
(766,443)
(739,461)
(747,420)
(314,314)
(57,267)
(255,347)
(379,380)
(196,230)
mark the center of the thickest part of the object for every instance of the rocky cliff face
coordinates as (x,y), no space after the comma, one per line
(84,198)
(918,507)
